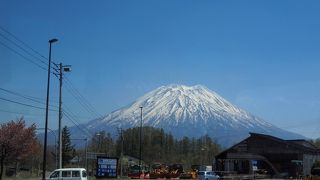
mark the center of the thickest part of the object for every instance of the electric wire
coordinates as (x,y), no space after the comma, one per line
(24,57)
(25,44)
(71,114)
(24,50)
(68,116)
(75,116)
(20,113)
(81,101)
(37,100)
(24,104)
(80,98)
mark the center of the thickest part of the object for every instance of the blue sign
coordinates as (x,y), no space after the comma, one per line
(107,167)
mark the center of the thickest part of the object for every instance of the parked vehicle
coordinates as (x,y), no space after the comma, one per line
(207,175)
(136,173)
(68,174)
(315,171)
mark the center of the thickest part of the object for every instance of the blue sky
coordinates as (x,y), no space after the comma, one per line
(262,56)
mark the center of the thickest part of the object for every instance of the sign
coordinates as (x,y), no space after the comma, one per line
(107,167)
(254,165)
(297,162)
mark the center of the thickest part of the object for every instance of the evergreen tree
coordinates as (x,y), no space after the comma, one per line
(68,151)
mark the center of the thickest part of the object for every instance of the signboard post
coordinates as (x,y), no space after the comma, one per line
(107,167)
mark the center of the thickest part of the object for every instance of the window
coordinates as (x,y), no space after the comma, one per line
(75,173)
(66,173)
(84,174)
(55,174)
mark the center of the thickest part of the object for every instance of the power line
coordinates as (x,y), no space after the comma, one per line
(24,50)
(20,113)
(23,104)
(26,97)
(77,125)
(73,117)
(82,100)
(24,57)
(25,44)
(78,117)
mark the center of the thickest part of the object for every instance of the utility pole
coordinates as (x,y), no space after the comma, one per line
(66,68)
(140,139)
(121,174)
(120,131)
(60,116)
(86,151)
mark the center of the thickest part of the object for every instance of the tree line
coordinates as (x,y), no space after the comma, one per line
(156,146)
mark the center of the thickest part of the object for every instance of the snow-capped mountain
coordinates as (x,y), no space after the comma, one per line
(191,111)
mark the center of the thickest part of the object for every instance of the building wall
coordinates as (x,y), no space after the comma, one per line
(308,161)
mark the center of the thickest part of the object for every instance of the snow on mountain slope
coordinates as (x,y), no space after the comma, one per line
(189,111)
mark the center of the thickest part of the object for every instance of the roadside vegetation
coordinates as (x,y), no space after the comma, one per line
(21,151)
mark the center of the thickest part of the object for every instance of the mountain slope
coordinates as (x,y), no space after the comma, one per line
(189,111)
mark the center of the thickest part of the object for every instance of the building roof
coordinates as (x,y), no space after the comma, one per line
(297,143)
(300,145)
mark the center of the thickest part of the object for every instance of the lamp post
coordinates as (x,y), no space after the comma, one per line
(99,141)
(47,108)
(85,151)
(55,143)
(140,142)
(203,157)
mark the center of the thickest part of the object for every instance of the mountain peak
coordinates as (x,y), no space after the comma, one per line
(187,111)
(192,99)
(180,87)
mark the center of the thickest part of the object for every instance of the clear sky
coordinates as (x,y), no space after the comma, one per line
(262,56)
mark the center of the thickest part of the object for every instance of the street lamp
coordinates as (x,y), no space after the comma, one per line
(86,150)
(99,141)
(55,143)
(47,108)
(140,142)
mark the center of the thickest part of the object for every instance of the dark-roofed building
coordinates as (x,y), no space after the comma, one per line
(261,154)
